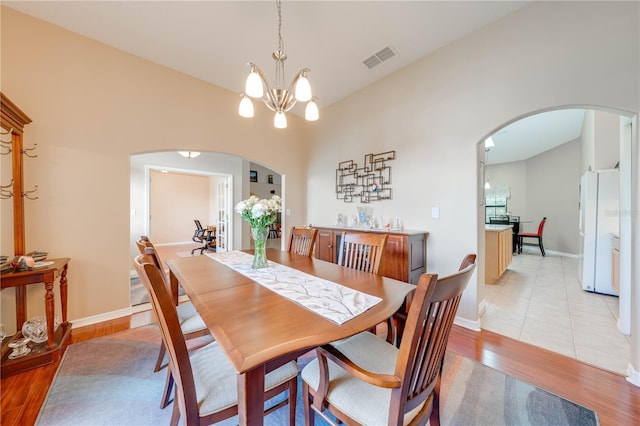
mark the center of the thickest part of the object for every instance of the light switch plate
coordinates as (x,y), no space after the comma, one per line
(435,212)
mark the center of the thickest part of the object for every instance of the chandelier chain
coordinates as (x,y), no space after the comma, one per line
(280,54)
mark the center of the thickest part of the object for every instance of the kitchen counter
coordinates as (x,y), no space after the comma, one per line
(496,228)
(498,251)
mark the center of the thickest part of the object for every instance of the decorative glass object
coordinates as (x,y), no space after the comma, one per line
(364,215)
(260,214)
(260,243)
(35,329)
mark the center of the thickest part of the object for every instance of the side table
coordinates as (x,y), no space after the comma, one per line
(57,338)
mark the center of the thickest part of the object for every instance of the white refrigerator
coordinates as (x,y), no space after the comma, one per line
(599,220)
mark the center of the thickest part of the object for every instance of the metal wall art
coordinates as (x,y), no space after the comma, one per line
(371,182)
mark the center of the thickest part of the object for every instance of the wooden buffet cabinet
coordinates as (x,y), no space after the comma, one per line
(404,257)
(12,121)
(498,251)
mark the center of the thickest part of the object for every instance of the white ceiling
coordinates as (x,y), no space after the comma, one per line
(535,134)
(214,40)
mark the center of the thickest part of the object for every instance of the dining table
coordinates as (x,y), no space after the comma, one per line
(259,329)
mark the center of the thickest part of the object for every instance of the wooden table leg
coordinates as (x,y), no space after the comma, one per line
(63,293)
(174,286)
(50,309)
(251,397)
(21,307)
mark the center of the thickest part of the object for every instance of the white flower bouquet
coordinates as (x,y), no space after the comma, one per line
(258,212)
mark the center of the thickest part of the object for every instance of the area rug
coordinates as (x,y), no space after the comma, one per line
(110,381)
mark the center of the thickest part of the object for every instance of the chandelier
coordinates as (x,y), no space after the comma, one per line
(279,99)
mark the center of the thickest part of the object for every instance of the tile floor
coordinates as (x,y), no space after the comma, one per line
(539,300)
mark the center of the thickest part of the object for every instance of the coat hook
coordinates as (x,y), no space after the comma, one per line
(26,151)
(25,194)
(5,145)
(6,193)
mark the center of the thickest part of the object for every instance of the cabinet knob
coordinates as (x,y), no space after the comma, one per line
(329,246)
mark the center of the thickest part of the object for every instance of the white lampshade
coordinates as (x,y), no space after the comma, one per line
(280,120)
(303,89)
(246,107)
(254,87)
(487,185)
(488,143)
(311,111)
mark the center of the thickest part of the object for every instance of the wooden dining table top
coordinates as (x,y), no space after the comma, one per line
(255,325)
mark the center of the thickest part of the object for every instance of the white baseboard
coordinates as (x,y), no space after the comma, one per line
(81,322)
(534,249)
(633,375)
(471,325)
(175,244)
(482,307)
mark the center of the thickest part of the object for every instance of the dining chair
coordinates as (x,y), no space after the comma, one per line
(400,317)
(366,380)
(191,323)
(498,221)
(302,241)
(534,235)
(362,251)
(206,383)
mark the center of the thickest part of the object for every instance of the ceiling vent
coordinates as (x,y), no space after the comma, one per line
(379,57)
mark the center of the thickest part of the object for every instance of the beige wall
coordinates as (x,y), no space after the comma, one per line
(514,176)
(176,200)
(545,185)
(436,111)
(600,140)
(92,107)
(553,180)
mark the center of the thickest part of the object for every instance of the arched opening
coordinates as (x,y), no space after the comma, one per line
(540,299)
(169,192)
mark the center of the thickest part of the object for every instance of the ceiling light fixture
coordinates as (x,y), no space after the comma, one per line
(488,144)
(189,154)
(278,100)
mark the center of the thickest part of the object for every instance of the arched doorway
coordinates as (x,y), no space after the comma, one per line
(540,300)
(168,191)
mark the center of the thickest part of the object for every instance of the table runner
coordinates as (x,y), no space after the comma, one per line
(333,301)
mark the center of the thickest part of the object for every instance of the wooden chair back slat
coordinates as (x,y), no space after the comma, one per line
(145,246)
(425,337)
(302,241)
(362,251)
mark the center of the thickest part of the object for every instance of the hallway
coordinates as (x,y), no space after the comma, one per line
(539,300)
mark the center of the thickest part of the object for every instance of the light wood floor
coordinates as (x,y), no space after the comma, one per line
(616,401)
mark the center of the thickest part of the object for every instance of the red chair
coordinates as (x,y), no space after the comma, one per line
(538,236)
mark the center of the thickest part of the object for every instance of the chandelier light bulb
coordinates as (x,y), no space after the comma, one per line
(311,111)
(303,89)
(246,107)
(280,120)
(254,87)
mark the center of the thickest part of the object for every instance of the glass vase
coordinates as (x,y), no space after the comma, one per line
(260,245)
